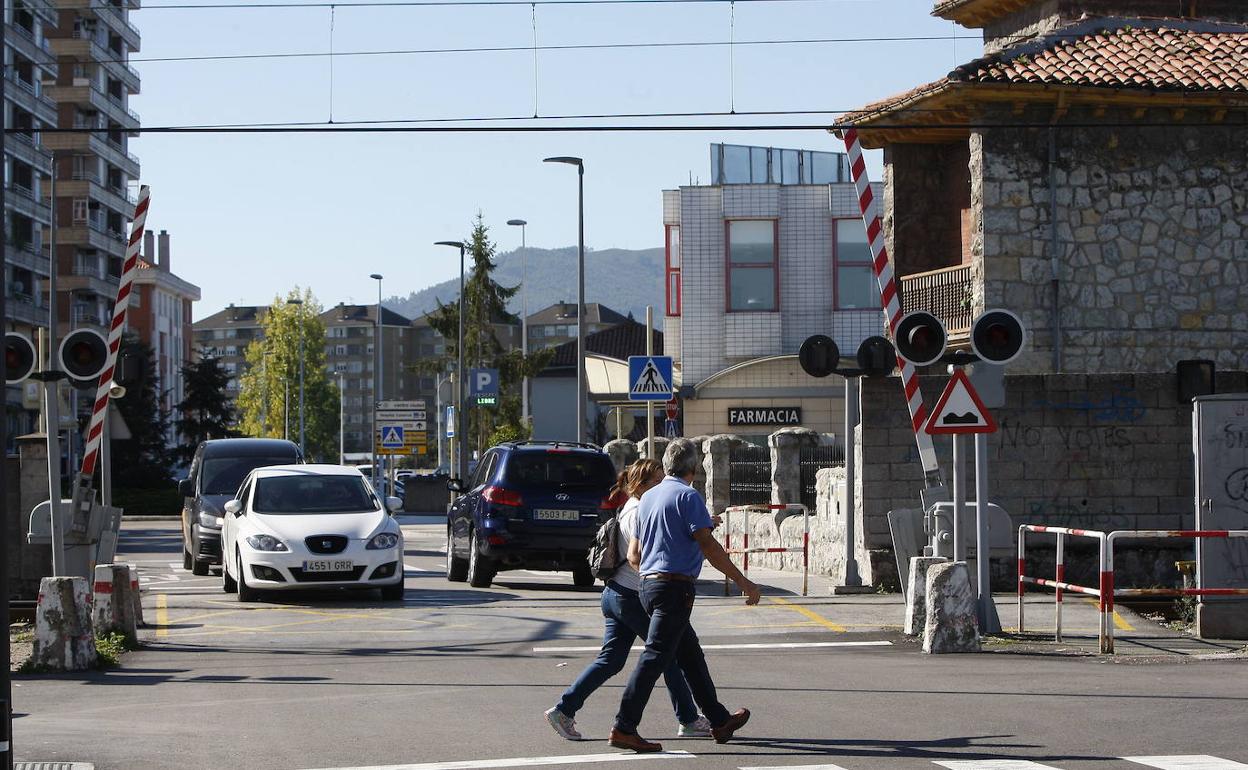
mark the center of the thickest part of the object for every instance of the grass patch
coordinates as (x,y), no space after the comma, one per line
(108,651)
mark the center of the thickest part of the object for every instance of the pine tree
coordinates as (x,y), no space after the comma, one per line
(205,413)
(273,365)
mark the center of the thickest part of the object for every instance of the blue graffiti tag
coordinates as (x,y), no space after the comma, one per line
(1119,406)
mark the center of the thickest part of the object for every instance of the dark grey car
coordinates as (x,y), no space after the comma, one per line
(217,471)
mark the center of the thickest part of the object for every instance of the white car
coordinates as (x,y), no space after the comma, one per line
(306,526)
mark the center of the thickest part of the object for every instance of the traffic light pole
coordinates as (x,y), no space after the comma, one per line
(989,622)
(852,390)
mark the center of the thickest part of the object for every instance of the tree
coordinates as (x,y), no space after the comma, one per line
(205,413)
(273,364)
(485,306)
(144,460)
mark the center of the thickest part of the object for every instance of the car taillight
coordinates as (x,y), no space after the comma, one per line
(609,503)
(501,496)
(496,540)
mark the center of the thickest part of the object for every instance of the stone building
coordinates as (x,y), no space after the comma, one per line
(1088,173)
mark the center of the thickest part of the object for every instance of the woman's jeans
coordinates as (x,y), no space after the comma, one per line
(626,622)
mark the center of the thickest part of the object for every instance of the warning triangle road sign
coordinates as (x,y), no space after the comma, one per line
(960,410)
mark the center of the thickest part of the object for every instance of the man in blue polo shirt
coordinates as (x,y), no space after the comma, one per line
(673,538)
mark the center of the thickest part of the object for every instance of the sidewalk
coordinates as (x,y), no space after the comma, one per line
(1135,636)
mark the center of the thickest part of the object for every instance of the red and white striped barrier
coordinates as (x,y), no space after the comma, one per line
(83,495)
(889,299)
(1106,591)
(745,550)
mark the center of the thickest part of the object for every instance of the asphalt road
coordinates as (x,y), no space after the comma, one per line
(455,677)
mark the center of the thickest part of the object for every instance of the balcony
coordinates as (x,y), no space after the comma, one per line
(116,20)
(88,186)
(26,148)
(88,141)
(22,200)
(120,70)
(92,235)
(22,308)
(28,255)
(89,95)
(945,293)
(25,94)
(23,41)
(85,316)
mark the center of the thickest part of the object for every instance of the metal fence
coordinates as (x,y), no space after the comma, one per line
(810,461)
(749,480)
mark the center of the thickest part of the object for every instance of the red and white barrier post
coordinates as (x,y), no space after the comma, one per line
(83,492)
(746,550)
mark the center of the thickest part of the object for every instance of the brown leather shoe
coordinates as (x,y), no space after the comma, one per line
(736,721)
(634,742)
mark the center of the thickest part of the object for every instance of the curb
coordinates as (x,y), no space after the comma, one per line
(168,517)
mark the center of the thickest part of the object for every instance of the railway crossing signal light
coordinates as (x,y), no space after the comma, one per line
(921,338)
(19,357)
(998,336)
(84,354)
(819,355)
(876,357)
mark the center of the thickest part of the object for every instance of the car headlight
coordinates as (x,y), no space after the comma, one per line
(266,543)
(209,519)
(382,541)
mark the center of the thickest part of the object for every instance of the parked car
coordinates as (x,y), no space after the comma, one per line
(299,526)
(528,505)
(217,470)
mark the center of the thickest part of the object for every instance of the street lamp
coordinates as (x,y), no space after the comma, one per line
(297,303)
(378,388)
(461,467)
(580,290)
(524,318)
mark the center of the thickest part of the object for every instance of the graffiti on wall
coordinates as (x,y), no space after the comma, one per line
(1120,405)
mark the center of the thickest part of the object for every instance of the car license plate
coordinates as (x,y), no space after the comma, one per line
(328,565)
(547,514)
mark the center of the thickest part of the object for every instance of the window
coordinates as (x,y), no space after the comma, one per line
(856,288)
(752,265)
(673,270)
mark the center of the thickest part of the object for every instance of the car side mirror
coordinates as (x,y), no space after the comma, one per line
(394,504)
(234,507)
(455,485)
(186,488)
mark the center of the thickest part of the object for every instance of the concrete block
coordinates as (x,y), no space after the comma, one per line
(64,639)
(950,624)
(916,593)
(136,597)
(113,609)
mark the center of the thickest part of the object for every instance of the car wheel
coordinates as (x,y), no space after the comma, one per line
(393,593)
(480,574)
(198,567)
(187,563)
(245,592)
(456,567)
(228,584)
(582,576)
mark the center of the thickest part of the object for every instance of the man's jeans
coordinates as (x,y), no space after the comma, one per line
(626,622)
(671,638)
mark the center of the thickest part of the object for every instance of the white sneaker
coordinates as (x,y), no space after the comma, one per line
(698,728)
(566,725)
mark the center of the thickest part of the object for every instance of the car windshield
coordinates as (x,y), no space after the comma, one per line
(224,475)
(313,494)
(539,469)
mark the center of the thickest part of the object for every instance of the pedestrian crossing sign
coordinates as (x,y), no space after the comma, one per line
(392,437)
(649,378)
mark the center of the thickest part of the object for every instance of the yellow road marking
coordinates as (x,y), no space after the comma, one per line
(162,615)
(1120,623)
(821,620)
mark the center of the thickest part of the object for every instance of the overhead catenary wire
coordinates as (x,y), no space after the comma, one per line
(430,4)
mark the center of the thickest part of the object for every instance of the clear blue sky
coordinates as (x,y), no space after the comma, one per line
(252,215)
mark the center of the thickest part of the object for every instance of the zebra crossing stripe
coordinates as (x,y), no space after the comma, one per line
(795,767)
(1189,762)
(993,764)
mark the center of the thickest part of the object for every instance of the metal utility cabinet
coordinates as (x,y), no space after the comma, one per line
(1220,445)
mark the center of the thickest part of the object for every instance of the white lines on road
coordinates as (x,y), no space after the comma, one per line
(759,646)
(1188,762)
(795,767)
(992,764)
(478,764)
(409,568)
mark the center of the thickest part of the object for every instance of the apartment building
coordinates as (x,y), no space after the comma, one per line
(769,253)
(160,313)
(552,326)
(92,87)
(27,108)
(225,336)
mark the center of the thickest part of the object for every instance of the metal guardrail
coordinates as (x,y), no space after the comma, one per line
(745,550)
(945,293)
(1106,591)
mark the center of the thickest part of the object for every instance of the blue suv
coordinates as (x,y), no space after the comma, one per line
(528,505)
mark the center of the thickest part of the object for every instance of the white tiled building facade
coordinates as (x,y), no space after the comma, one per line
(752,271)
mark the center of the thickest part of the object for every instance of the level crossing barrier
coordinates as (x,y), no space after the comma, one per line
(1106,591)
(745,550)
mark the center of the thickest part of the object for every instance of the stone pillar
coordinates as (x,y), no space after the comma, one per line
(916,593)
(950,621)
(660,446)
(622,452)
(699,477)
(113,606)
(64,639)
(28,564)
(715,452)
(786,474)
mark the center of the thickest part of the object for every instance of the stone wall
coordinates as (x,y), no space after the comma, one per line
(1090,451)
(1046,15)
(1150,228)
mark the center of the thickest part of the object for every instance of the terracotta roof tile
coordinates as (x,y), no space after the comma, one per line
(1162,58)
